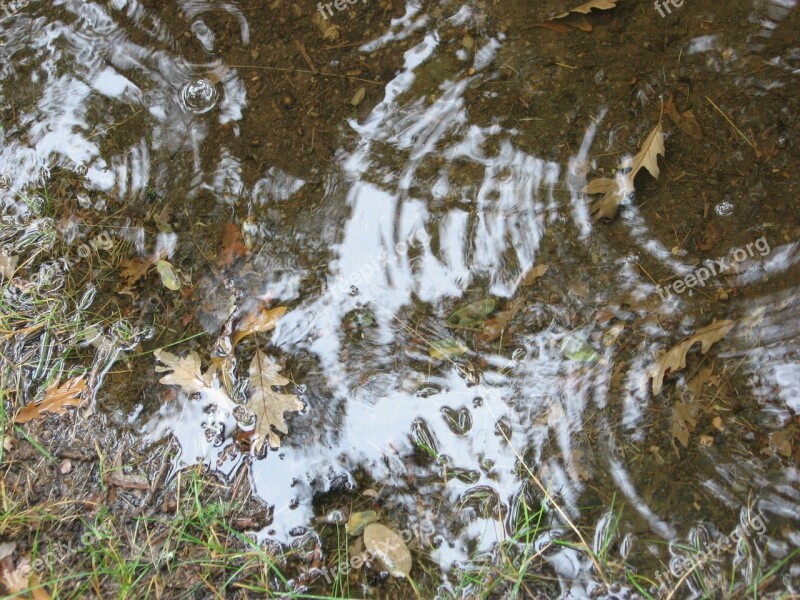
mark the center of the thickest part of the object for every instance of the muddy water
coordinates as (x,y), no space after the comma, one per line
(459,174)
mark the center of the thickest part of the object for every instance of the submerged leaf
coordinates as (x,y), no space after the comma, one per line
(587,7)
(56,400)
(675,359)
(473,315)
(616,190)
(268,405)
(258,321)
(578,349)
(133,269)
(446,349)
(534,274)
(683,422)
(574,16)
(687,122)
(389,549)
(168,275)
(232,244)
(358,522)
(647,158)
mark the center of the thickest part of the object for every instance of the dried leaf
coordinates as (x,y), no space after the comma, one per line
(683,422)
(117,477)
(601,186)
(186,372)
(780,442)
(691,125)
(587,7)
(389,549)
(534,274)
(17,580)
(695,385)
(608,206)
(56,400)
(8,264)
(675,359)
(258,321)
(232,244)
(647,158)
(7,549)
(493,328)
(268,405)
(687,122)
(329,31)
(616,190)
(133,269)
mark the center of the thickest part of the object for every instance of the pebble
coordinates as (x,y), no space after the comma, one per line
(359,96)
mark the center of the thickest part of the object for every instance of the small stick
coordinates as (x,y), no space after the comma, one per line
(732,124)
(291,69)
(306,57)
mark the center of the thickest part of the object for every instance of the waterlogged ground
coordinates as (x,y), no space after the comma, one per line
(171,170)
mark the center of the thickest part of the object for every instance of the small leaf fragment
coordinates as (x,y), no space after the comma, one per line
(168,275)
(578,349)
(473,315)
(232,244)
(358,522)
(780,442)
(8,264)
(444,349)
(359,96)
(683,422)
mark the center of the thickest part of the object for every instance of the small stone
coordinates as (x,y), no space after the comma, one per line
(66,466)
(468,42)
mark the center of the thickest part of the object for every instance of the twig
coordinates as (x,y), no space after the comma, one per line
(750,143)
(292,69)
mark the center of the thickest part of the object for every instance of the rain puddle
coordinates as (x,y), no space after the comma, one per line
(466,340)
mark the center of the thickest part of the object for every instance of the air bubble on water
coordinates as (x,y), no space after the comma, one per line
(724,209)
(87,298)
(198,96)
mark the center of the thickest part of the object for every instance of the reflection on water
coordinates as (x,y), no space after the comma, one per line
(426,210)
